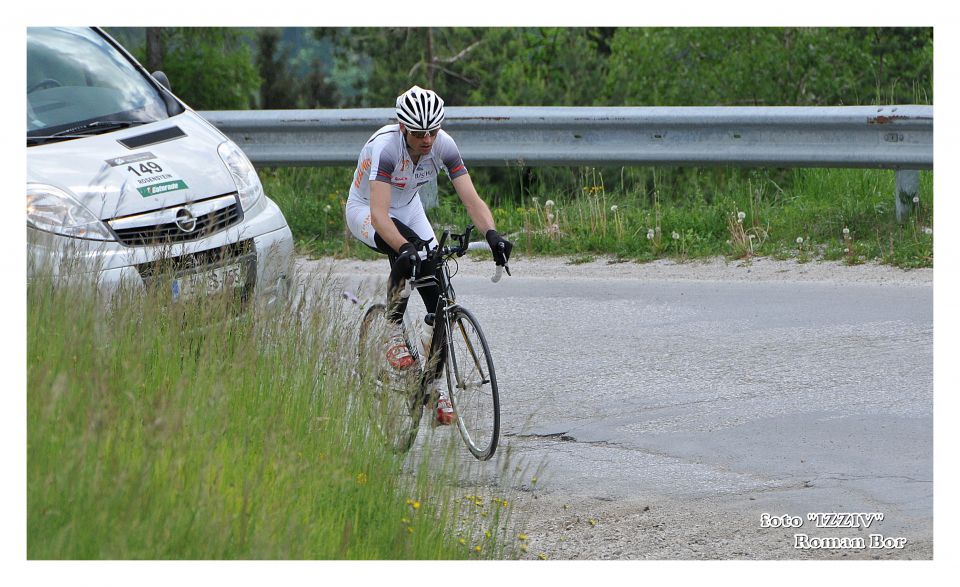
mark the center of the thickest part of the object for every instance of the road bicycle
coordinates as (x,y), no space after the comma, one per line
(398,398)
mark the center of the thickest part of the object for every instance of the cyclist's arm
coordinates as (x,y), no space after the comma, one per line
(476,207)
(380,215)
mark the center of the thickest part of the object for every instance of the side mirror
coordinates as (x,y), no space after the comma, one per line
(162,78)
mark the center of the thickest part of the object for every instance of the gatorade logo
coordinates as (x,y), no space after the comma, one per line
(162,188)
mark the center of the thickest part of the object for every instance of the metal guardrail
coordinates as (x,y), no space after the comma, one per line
(891,137)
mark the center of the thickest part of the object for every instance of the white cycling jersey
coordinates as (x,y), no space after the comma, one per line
(385,158)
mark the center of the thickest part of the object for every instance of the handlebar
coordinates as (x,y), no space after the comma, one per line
(460,250)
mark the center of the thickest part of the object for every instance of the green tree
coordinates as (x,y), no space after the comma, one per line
(209,68)
(474,66)
(768,66)
(278,87)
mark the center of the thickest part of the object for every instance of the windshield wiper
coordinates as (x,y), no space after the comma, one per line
(99,126)
(91,128)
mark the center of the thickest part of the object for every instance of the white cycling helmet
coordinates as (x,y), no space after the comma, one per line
(420,109)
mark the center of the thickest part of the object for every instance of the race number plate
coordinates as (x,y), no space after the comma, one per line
(210,282)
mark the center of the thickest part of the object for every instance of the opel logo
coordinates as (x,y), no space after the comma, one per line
(185,220)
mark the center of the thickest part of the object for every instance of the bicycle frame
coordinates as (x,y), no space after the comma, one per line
(446,301)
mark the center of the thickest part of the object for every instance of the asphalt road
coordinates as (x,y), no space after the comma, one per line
(694,407)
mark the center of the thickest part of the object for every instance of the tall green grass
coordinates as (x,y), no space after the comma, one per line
(161,430)
(644,214)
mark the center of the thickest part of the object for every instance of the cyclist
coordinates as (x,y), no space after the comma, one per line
(385,213)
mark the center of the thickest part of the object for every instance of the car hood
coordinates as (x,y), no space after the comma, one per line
(136,170)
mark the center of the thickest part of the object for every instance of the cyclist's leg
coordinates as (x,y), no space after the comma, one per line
(412,223)
(361,226)
(418,222)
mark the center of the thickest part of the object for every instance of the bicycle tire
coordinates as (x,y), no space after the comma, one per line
(394,405)
(472,384)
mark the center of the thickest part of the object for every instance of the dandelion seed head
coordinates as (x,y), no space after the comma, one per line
(928,230)
(326,208)
(548,203)
(741,216)
(846,231)
(550,217)
(799,240)
(613,208)
(675,235)
(916,199)
(650,234)
(536,200)
(846,251)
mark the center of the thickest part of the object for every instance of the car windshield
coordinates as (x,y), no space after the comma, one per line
(75,78)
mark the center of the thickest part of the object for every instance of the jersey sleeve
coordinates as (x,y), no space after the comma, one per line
(382,164)
(450,156)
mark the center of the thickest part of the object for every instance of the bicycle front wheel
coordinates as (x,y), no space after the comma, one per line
(394,404)
(472,383)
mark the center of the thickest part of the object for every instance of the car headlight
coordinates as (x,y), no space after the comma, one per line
(52,209)
(244,175)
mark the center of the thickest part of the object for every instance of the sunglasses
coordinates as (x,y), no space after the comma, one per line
(419,134)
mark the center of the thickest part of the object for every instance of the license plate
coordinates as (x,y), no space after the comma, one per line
(205,283)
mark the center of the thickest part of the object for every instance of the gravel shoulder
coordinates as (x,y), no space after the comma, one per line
(657,528)
(714,269)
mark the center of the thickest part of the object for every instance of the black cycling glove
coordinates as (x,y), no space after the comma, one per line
(407,262)
(500,247)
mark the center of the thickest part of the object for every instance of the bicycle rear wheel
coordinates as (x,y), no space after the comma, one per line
(395,404)
(472,383)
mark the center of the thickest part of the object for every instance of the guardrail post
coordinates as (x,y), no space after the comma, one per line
(908,186)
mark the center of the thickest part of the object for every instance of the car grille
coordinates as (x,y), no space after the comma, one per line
(192,262)
(161,227)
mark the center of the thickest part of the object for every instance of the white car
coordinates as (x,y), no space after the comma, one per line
(128,179)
